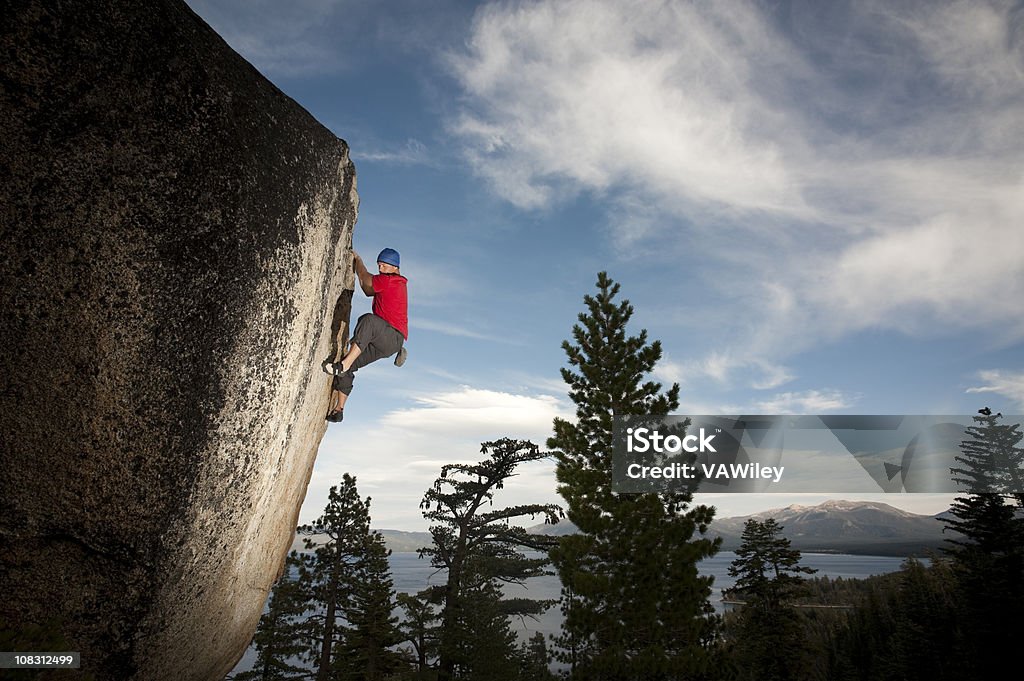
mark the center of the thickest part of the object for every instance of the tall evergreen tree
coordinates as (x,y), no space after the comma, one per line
(906,626)
(767,568)
(419,628)
(988,553)
(345,576)
(483,645)
(927,642)
(991,472)
(372,628)
(535,660)
(635,605)
(479,549)
(767,638)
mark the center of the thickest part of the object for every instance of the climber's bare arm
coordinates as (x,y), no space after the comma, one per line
(363,274)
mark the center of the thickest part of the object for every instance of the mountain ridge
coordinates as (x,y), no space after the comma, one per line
(834,526)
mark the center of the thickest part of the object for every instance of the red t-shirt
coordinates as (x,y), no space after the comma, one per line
(391,302)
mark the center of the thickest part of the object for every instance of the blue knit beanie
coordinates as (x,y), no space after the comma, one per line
(390,256)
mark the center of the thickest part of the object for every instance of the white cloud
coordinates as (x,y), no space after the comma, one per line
(960,267)
(772,377)
(806,402)
(474,410)
(584,95)
(413,152)
(401,454)
(844,170)
(724,366)
(1007,383)
(546,384)
(976,46)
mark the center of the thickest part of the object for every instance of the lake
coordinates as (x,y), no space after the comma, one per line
(412,574)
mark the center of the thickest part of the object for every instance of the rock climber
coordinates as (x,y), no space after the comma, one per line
(378,334)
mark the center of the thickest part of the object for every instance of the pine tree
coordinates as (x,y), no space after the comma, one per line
(988,554)
(372,627)
(479,549)
(635,606)
(346,581)
(926,643)
(767,568)
(278,636)
(863,648)
(991,472)
(767,635)
(482,641)
(419,628)
(535,660)
(906,626)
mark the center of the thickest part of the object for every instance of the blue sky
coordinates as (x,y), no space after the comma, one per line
(816,207)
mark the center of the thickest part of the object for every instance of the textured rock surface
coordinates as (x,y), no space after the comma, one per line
(175,233)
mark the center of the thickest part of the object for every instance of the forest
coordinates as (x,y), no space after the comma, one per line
(634,603)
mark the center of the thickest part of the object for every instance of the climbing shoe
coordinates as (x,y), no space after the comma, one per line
(334,369)
(400,357)
(336,416)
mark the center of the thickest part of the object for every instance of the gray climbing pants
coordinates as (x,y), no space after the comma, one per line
(377,339)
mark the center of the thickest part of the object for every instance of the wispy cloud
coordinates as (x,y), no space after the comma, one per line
(431,283)
(725,367)
(413,152)
(281,38)
(844,170)
(807,402)
(1007,383)
(451,329)
(475,409)
(399,455)
(570,96)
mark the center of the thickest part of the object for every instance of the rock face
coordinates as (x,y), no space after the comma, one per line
(176,243)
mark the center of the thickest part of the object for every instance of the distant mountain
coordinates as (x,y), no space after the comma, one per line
(863,527)
(559,529)
(858,527)
(401,542)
